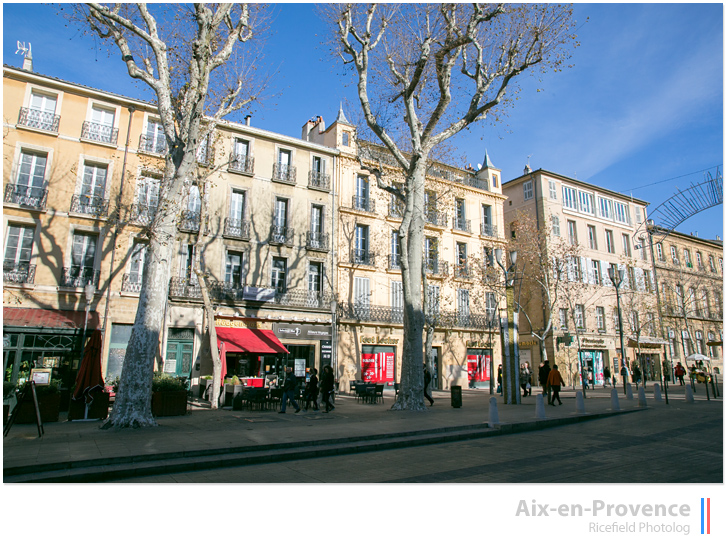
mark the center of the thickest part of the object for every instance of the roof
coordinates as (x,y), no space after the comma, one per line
(487,161)
(575,182)
(48,318)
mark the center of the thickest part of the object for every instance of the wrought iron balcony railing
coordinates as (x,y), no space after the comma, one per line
(19,273)
(89,204)
(364,204)
(78,276)
(489,230)
(244,164)
(131,282)
(26,195)
(156,145)
(42,120)
(394,261)
(236,228)
(362,256)
(284,172)
(462,271)
(281,234)
(189,221)
(460,224)
(434,217)
(437,267)
(143,214)
(93,131)
(319,181)
(317,241)
(473,181)
(395,208)
(364,312)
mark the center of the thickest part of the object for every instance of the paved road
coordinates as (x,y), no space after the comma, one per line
(654,446)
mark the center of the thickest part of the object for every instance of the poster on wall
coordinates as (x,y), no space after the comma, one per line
(479,367)
(299,368)
(378,367)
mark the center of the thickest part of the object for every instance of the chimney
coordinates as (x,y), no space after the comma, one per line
(28,62)
(248,119)
(527,169)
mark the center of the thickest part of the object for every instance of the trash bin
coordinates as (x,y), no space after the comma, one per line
(456,397)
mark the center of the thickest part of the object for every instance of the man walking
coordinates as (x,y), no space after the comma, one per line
(427,381)
(327,383)
(554,381)
(543,373)
(288,391)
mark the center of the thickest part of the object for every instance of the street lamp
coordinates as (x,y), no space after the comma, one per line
(509,331)
(617,277)
(89,291)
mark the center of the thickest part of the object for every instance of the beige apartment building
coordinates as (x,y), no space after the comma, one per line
(463,220)
(689,271)
(82,171)
(587,230)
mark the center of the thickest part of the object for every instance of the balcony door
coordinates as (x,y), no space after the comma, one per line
(102,127)
(18,248)
(83,256)
(31,175)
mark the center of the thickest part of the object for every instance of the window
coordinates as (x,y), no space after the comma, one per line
(194,200)
(687,257)
(203,150)
(587,202)
(315,277)
(241,158)
(284,169)
(280,221)
(233,269)
(647,281)
(596,272)
(699,260)
(155,139)
(279,274)
(672,343)
(432,306)
(711,264)
(395,249)
(101,127)
(569,198)
(674,255)
(495,180)
(650,323)
(580,317)
(83,257)
(237,205)
(695,307)
(486,220)
(610,241)
(553,190)
(659,252)
(93,185)
(491,305)
(462,305)
(431,250)
(572,232)
(187,269)
(147,197)
(136,264)
(460,221)
(461,266)
(626,245)
(556,226)
(284,157)
(31,179)
(346,139)
(706,302)
(316,225)
(616,320)
(397,300)
(632,283)
(360,252)
(622,213)
(720,264)
(361,199)
(699,342)
(576,269)
(527,189)
(638,217)
(600,316)
(362,296)
(606,208)
(43,103)
(635,322)
(563,319)
(643,250)
(18,248)
(592,237)
(41,113)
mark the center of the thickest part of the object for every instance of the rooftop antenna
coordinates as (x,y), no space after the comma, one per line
(27,55)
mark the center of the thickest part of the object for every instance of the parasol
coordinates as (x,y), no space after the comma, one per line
(89,377)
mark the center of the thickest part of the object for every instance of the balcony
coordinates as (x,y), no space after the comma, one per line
(317,241)
(462,271)
(362,256)
(284,173)
(25,195)
(435,217)
(281,234)
(396,208)
(318,181)
(364,204)
(78,276)
(488,230)
(394,261)
(473,181)
(189,221)
(436,267)
(364,312)
(143,214)
(235,228)
(242,164)
(90,205)
(186,288)
(40,120)
(19,273)
(131,283)
(154,145)
(460,224)
(100,133)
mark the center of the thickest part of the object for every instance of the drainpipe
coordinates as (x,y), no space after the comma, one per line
(118,224)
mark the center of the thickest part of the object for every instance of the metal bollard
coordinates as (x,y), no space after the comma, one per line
(614,401)
(493,412)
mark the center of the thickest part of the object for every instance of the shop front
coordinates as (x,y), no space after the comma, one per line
(310,346)
(478,364)
(648,353)
(593,358)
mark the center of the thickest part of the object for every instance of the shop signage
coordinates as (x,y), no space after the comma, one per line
(479,367)
(258,294)
(527,343)
(235,323)
(378,340)
(477,344)
(302,332)
(594,342)
(378,367)
(326,352)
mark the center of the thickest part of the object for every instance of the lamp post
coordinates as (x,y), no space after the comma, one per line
(89,291)
(617,277)
(509,332)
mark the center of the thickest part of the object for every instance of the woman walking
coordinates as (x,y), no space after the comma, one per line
(327,382)
(311,390)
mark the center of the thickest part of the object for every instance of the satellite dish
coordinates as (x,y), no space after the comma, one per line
(478,166)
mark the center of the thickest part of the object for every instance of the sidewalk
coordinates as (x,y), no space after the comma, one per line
(191,441)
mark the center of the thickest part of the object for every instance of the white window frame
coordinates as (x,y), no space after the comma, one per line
(553,190)
(528,190)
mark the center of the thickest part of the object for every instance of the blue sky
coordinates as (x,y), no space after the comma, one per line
(642,105)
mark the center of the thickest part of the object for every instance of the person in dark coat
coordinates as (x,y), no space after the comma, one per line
(327,383)
(288,391)
(499,380)
(606,374)
(543,373)
(311,391)
(427,381)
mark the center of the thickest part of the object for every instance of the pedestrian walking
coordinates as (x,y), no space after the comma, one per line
(637,375)
(554,381)
(427,381)
(499,379)
(311,390)
(525,379)
(288,391)
(606,374)
(680,373)
(327,383)
(585,378)
(543,373)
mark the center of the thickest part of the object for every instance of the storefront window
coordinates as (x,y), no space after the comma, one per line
(479,366)
(378,364)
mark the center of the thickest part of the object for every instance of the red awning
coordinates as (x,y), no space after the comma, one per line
(250,340)
(48,318)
